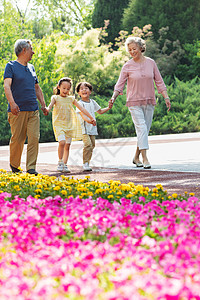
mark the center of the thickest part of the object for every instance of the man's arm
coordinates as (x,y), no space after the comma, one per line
(7,88)
(40,96)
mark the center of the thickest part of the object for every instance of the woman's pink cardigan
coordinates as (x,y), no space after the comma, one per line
(140,78)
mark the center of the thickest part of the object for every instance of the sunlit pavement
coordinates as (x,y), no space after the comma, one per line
(171,157)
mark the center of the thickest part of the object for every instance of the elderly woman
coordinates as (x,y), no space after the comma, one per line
(140,73)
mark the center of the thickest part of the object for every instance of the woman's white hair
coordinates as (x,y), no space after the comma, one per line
(133,39)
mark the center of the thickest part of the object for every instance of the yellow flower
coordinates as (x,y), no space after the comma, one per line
(110,196)
(38,191)
(63,192)
(98,191)
(192,194)
(39,186)
(125,187)
(119,193)
(57,188)
(159,186)
(17,187)
(128,196)
(174,195)
(83,195)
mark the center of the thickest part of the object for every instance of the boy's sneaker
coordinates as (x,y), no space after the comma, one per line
(86,167)
(60,166)
(65,169)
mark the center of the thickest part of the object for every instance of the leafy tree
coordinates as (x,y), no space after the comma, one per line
(40,27)
(44,17)
(182,18)
(70,16)
(85,59)
(11,29)
(184,115)
(22,12)
(189,66)
(111,10)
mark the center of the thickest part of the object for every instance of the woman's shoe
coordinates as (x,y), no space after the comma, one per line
(138,164)
(147,166)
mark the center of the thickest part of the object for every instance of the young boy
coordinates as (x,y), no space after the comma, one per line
(84,89)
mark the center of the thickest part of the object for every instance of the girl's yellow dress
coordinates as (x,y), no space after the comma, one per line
(64,118)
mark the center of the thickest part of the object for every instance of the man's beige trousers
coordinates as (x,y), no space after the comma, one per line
(25,125)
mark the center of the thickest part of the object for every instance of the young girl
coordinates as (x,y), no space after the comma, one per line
(84,89)
(65,122)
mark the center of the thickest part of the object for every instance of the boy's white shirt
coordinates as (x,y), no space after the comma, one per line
(91,107)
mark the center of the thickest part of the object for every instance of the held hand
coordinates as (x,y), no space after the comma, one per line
(14,109)
(111,101)
(93,122)
(110,104)
(168,103)
(45,110)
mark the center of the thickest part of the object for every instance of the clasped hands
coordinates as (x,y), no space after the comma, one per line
(92,121)
(44,110)
(110,103)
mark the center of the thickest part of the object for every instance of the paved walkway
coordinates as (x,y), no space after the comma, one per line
(175,161)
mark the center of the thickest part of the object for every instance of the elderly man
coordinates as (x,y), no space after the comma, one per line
(22,91)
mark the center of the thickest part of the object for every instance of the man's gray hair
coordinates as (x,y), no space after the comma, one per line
(21,44)
(133,39)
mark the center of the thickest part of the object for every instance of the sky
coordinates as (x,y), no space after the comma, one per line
(22,4)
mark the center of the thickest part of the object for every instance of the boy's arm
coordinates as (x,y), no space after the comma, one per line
(83,110)
(103,110)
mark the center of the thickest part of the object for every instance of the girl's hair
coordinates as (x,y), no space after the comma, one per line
(83,83)
(133,39)
(56,90)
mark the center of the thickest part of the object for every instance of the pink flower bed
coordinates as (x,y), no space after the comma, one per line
(76,248)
